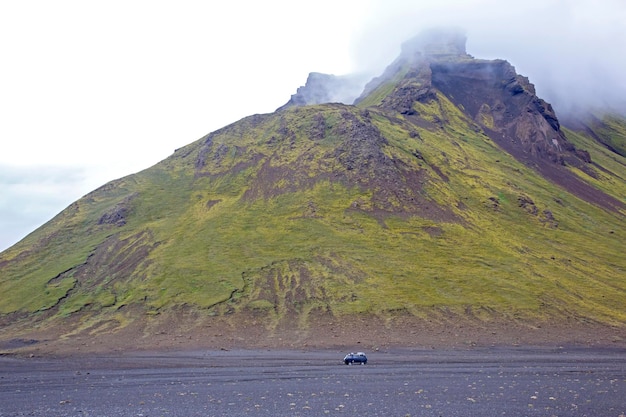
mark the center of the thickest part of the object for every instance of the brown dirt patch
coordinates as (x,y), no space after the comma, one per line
(190,330)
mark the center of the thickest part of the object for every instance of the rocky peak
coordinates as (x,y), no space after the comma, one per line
(490,92)
(437,44)
(327,88)
(415,56)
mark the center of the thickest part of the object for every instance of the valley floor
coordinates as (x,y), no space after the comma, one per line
(575,381)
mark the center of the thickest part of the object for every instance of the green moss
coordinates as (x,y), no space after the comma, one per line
(376,97)
(607,166)
(263,218)
(485,116)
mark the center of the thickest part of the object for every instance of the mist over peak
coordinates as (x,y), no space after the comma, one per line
(435,42)
(573,82)
(572,51)
(328,88)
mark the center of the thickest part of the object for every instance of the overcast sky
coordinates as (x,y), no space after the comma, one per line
(92,91)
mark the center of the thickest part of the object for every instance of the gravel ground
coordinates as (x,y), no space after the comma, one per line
(513,381)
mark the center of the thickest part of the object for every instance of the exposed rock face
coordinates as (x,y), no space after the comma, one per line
(117,215)
(326,88)
(417,53)
(501,103)
(505,105)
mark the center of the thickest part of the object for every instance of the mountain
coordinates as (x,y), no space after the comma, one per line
(446,205)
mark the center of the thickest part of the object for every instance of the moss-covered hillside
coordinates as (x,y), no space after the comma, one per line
(376,210)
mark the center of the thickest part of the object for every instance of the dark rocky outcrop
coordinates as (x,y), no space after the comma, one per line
(415,56)
(491,92)
(506,106)
(326,88)
(501,103)
(117,214)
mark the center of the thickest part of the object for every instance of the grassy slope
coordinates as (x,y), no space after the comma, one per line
(612,128)
(609,168)
(272,256)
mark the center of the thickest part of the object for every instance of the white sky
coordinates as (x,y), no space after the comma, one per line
(94,90)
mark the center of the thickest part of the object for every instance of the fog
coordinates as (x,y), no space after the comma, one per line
(91,92)
(574,52)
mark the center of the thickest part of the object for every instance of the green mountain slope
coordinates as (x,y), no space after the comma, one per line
(408,204)
(607,128)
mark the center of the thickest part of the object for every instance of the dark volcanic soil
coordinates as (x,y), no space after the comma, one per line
(399,382)
(189,365)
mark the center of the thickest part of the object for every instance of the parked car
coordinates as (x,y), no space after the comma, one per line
(358,357)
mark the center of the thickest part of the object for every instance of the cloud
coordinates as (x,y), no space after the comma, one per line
(115,87)
(28,196)
(572,50)
(92,91)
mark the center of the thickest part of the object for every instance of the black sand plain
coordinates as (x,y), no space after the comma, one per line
(495,381)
